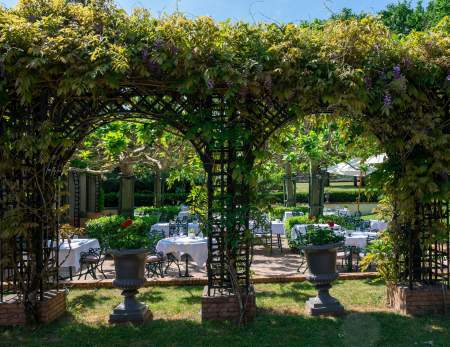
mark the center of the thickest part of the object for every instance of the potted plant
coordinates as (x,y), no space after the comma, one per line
(129,247)
(319,246)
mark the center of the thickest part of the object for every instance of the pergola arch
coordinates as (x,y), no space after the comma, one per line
(227,88)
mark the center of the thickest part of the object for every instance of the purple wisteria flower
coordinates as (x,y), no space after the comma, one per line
(387,100)
(268,83)
(397,71)
(448,77)
(368,82)
(376,46)
(157,44)
(144,54)
(210,84)
(153,65)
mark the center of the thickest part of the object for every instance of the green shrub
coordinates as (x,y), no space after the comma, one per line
(277,212)
(334,196)
(318,237)
(166,213)
(343,221)
(290,222)
(111,234)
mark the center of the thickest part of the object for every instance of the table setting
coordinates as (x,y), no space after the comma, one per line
(165,227)
(195,247)
(69,253)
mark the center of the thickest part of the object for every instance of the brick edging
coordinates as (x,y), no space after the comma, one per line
(201,281)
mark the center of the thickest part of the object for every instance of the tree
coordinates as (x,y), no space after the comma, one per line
(132,148)
(403,18)
(311,145)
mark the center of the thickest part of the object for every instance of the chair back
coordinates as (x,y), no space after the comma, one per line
(155,235)
(172,229)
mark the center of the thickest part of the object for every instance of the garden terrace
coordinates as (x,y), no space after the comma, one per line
(69,68)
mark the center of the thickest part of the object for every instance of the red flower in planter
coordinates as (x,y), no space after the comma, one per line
(330,223)
(126,223)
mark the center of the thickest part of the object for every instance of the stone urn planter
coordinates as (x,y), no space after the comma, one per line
(130,276)
(321,261)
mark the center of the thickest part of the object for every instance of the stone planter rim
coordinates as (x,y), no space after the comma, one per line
(322,247)
(126,251)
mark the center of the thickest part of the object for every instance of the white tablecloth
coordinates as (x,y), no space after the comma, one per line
(336,212)
(69,255)
(197,248)
(165,227)
(287,214)
(276,226)
(378,225)
(356,241)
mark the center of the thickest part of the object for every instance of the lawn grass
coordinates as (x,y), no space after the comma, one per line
(280,321)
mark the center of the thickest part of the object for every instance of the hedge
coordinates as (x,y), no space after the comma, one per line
(166,213)
(145,199)
(277,212)
(334,197)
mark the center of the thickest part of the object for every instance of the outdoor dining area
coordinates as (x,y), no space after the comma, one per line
(178,248)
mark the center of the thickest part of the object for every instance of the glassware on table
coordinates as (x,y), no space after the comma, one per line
(191,233)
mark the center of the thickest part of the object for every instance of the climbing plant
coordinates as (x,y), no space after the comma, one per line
(68,68)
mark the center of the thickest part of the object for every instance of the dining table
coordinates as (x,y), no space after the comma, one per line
(195,247)
(69,253)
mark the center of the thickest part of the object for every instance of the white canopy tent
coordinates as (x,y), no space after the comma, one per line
(357,167)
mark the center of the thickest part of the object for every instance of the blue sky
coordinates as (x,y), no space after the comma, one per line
(253,10)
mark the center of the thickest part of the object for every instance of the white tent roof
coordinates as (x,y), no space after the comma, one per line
(353,166)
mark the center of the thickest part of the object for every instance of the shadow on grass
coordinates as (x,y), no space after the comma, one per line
(89,300)
(378,281)
(151,296)
(270,328)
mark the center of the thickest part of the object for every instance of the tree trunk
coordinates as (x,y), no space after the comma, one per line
(316,189)
(289,184)
(157,187)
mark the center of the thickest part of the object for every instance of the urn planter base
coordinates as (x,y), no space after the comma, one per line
(131,310)
(324,304)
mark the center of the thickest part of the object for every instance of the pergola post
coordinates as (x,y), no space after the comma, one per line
(126,195)
(316,198)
